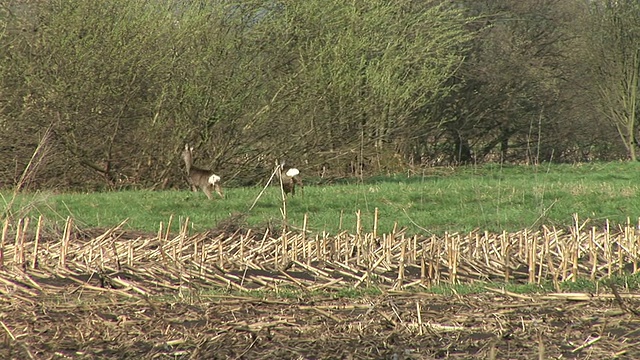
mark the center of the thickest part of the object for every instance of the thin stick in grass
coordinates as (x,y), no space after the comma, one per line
(423,266)
(414,249)
(434,269)
(575,248)
(64,246)
(36,242)
(203,257)
(304,227)
(31,169)
(114,248)
(447,245)
(551,268)
(565,248)
(403,250)
(506,253)
(375,223)
(636,235)
(5,228)
(593,255)
(220,254)
(184,233)
(265,188)
(543,254)
(130,253)
(533,245)
(454,256)
(620,244)
(608,249)
(16,243)
(633,251)
(25,226)
(358,242)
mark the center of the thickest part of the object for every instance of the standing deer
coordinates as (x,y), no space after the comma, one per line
(200,178)
(289,179)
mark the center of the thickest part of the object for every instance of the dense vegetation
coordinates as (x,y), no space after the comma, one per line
(112,90)
(492,198)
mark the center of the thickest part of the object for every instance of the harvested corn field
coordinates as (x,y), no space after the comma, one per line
(74,322)
(114,293)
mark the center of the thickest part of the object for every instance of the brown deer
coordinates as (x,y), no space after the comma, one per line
(200,178)
(289,179)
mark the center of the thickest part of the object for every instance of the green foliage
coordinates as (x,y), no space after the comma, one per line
(125,84)
(370,67)
(487,198)
(337,87)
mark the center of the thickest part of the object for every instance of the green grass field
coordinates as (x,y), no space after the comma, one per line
(492,198)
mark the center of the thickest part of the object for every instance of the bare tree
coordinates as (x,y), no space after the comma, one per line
(615,47)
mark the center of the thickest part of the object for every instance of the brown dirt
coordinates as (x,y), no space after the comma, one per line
(67,321)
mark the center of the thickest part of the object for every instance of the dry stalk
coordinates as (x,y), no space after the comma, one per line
(16,246)
(541,347)
(306,246)
(506,250)
(375,224)
(275,170)
(401,265)
(619,300)
(593,257)
(29,172)
(34,260)
(5,228)
(6,329)
(64,244)
(270,262)
(608,253)
(358,242)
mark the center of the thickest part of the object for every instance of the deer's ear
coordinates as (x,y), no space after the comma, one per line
(186,146)
(191,149)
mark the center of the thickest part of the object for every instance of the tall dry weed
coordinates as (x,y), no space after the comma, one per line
(26,177)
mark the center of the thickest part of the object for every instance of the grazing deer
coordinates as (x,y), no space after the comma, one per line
(200,178)
(289,179)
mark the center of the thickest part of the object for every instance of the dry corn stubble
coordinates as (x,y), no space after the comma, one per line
(69,283)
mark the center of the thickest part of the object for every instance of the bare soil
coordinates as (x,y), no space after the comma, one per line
(74,322)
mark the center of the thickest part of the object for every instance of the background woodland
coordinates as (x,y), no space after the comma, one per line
(104,95)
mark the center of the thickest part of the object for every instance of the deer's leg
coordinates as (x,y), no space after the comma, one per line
(299,182)
(207,191)
(218,189)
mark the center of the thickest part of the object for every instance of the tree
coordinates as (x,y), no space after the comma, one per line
(615,50)
(125,85)
(358,76)
(507,102)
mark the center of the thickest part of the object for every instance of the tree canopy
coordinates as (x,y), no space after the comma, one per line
(113,90)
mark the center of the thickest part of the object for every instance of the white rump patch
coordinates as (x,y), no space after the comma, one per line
(292,172)
(213,179)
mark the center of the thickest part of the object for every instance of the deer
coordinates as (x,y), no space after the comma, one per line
(289,179)
(200,178)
